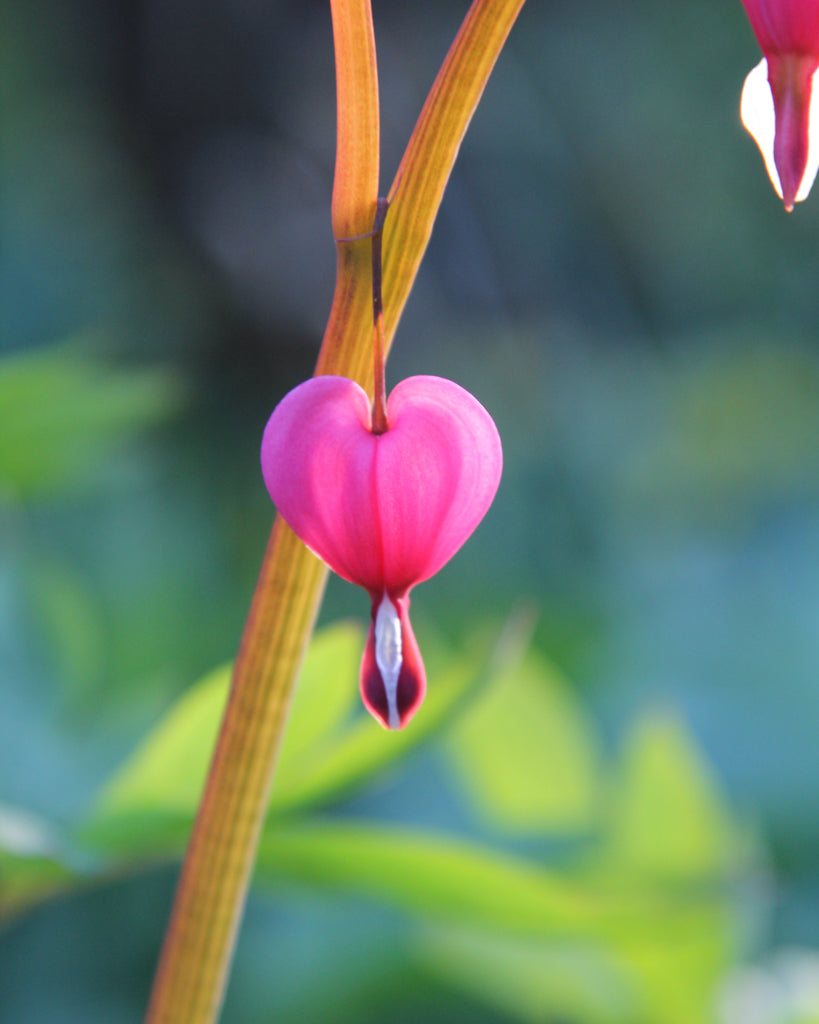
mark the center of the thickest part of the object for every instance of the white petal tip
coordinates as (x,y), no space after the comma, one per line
(389,656)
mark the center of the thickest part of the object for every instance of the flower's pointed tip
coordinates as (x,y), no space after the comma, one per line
(792,163)
(390,724)
(786,131)
(789,192)
(393,681)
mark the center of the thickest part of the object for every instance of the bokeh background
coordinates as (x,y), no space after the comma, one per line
(613,276)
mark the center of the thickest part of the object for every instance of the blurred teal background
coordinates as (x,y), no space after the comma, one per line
(615,279)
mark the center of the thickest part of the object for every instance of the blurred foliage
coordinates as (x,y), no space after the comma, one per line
(527,727)
(327,750)
(611,820)
(654,931)
(61,409)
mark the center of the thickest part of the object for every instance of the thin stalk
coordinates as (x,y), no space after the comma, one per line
(198,946)
(380,424)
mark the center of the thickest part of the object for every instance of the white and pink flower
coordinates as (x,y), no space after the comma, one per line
(779,105)
(384,510)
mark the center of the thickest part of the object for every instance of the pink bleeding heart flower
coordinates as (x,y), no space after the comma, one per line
(779,106)
(385,511)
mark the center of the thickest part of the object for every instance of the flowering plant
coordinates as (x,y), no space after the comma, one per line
(194,963)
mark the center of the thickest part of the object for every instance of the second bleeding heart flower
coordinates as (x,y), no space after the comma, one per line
(387,510)
(779,105)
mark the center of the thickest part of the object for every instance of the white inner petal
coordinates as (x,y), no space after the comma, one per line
(389,655)
(813,141)
(756,109)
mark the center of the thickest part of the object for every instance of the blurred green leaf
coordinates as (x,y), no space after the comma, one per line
(671,838)
(747,419)
(435,877)
(31,863)
(166,774)
(70,622)
(660,964)
(61,409)
(154,795)
(327,694)
(330,745)
(525,752)
(668,820)
(737,428)
(345,757)
(460,882)
(531,980)
(678,973)
(642,955)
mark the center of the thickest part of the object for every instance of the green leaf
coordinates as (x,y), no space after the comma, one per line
(526,753)
(166,774)
(32,860)
(529,979)
(434,877)
(325,698)
(355,751)
(668,819)
(353,754)
(677,970)
(150,803)
(459,882)
(330,745)
(670,835)
(62,410)
(71,624)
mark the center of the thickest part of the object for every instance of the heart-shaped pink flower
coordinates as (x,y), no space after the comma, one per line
(385,511)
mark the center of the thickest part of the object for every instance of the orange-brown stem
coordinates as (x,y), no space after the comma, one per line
(199,942)
(380,423)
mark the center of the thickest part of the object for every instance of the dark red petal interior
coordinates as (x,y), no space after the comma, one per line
(412,681)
